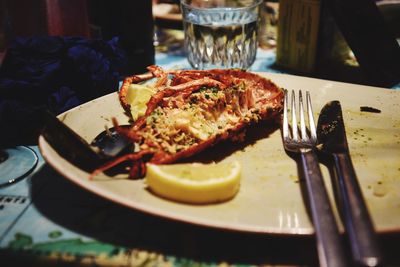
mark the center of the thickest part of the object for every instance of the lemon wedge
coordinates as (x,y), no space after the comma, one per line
(195,183)
(137,96)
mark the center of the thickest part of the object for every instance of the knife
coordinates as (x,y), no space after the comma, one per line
(357,221)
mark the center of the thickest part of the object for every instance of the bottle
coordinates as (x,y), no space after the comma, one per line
(298,25)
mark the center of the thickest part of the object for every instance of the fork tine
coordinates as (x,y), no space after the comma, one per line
(295,134)
(311,121)
(303,129)
(285,116)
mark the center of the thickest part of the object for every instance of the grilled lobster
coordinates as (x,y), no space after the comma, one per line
(193,110)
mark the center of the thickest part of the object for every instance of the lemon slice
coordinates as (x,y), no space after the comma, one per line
(195,183)
(137,96)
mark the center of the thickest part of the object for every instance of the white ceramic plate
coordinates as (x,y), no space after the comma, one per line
(269,200)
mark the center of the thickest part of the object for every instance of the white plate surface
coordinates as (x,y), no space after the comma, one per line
(269,200)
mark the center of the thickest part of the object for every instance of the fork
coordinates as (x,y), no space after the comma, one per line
(329,244)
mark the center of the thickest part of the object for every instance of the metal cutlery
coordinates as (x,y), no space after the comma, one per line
(69,144)
(357,221)
(329,244)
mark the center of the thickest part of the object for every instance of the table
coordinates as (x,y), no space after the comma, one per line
(47,220)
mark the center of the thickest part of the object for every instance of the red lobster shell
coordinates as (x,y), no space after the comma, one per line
(193,110)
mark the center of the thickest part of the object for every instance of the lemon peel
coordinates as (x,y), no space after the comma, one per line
(195,183)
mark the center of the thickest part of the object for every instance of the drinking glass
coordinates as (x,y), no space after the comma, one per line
(221,33)
(16,163)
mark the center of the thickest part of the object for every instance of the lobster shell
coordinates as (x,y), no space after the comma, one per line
(243,97)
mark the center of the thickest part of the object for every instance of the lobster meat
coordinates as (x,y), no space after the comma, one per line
(192,110)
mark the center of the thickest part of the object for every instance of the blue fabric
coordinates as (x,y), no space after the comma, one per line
(55,73)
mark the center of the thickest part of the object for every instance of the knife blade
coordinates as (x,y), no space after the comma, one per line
(357,221)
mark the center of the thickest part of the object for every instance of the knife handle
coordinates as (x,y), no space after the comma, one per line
(358,223)
(329,242)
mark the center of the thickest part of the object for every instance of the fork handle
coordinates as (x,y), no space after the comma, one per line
(329,243)
(358,223)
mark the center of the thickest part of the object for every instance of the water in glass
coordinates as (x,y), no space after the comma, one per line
(222,36)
